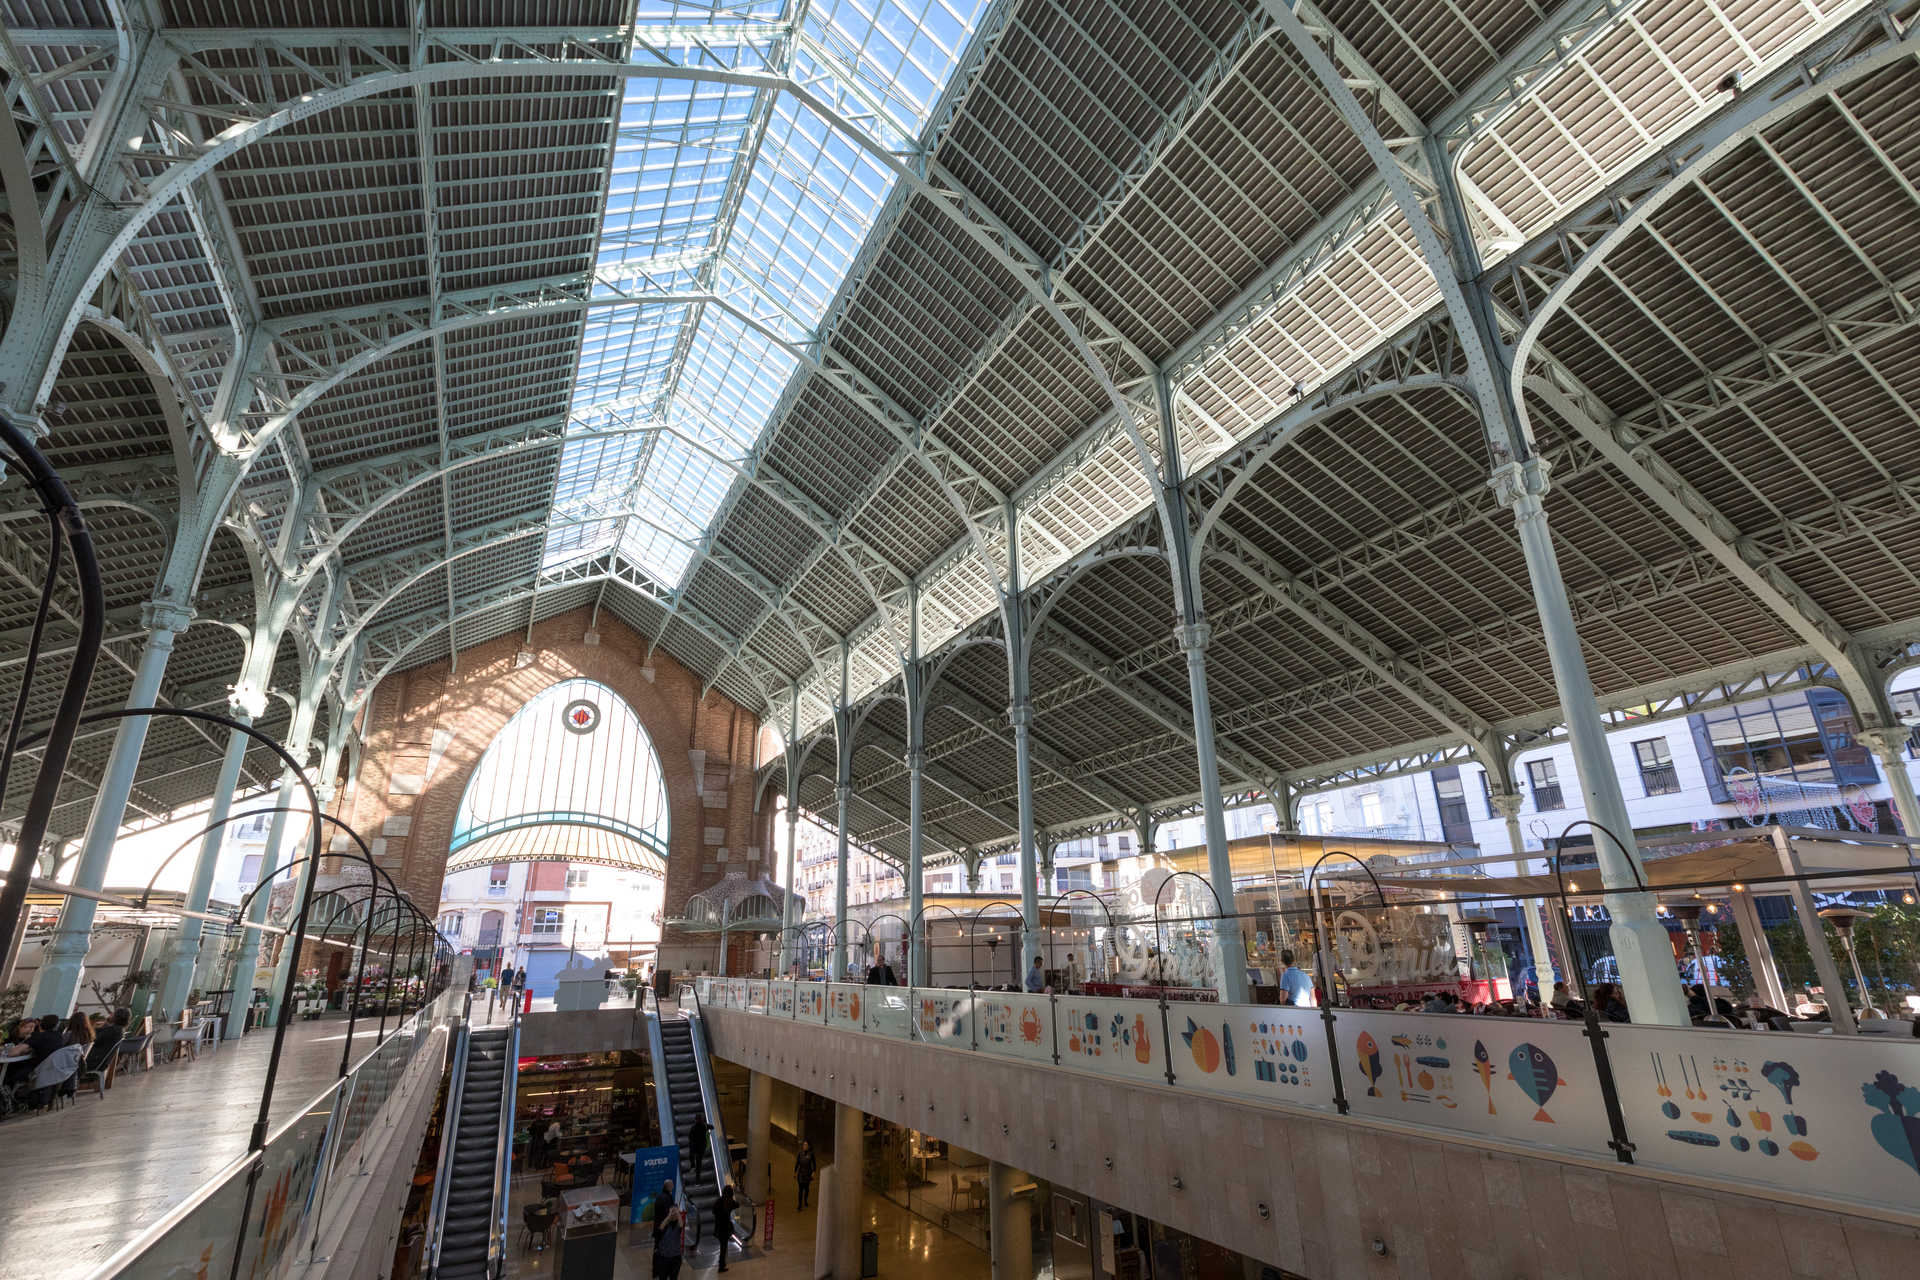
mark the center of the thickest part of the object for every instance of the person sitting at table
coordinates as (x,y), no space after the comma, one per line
(107,1038)
(80,1032)
(48,1040)
(21,1029)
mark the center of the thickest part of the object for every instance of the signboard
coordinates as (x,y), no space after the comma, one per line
(652,1168)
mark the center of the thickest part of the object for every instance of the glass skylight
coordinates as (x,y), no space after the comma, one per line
(670,394)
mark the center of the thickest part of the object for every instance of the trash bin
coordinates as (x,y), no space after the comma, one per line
(869,1254)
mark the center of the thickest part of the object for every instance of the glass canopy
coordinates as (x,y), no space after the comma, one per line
(727,191)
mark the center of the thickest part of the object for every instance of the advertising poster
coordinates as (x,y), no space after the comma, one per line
(652,1168)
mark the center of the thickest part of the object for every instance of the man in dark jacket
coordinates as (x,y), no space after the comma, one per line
(723,1220)
(697,1143)
(46,1040)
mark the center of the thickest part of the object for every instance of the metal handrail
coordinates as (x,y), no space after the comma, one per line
(503,1151)
(709,1097)
(449,1130)
(130,1253)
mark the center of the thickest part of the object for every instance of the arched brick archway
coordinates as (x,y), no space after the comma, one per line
(426,729)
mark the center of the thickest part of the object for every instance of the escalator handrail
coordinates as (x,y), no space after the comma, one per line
(710,1100)
(503,1150)
(449,1130)
(663,1108)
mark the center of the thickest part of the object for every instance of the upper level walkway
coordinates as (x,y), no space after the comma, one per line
(1483,1144)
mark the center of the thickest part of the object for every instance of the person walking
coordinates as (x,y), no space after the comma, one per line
(1295,986)
(697,1142)
(723,1221)
(669,1236)
(803,1166)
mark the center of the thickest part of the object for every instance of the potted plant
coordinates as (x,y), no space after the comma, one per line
(311,992)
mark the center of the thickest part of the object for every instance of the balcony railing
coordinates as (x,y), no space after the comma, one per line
(1659,779)
(1548,797)
(1512,1081)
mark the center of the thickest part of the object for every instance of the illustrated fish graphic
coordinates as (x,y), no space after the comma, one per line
(1483,1067)
(1369,1061)
(1226,1047)
(1529,1067)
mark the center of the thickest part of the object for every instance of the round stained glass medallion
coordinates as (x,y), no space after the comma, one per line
(581,716)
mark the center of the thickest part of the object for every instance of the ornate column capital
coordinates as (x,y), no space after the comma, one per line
(1020,715)
(166,616)
(915,759)
(1506,804)
(1193,636)
(1522,485)
(1887,742)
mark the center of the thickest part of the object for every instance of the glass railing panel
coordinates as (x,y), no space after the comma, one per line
(810,1001)
(844,1005)
(288,1192)
(757,997)
(888,1012)
(943,1016)
(780,1002)
(1521,1079)
(1826,1115)
(1269,1053)
(1014,1026)
(1113,1036)
(198,1237)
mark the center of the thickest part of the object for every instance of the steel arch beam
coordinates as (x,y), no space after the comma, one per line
(1627,205)
(944,192)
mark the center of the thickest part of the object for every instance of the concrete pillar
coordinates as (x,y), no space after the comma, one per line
(836,1243)
(1232,978)
(759,1134)
(1020,716)
(1647,972)
(59,977)
(184,955)
(1889,747)
(1009,1223)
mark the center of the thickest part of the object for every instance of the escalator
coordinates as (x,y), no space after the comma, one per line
(469,1186)
(685,1092)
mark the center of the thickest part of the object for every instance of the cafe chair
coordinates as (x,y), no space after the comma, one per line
(536,1221)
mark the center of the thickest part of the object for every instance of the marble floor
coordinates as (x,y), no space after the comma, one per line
(80,1182)
(909,1245)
